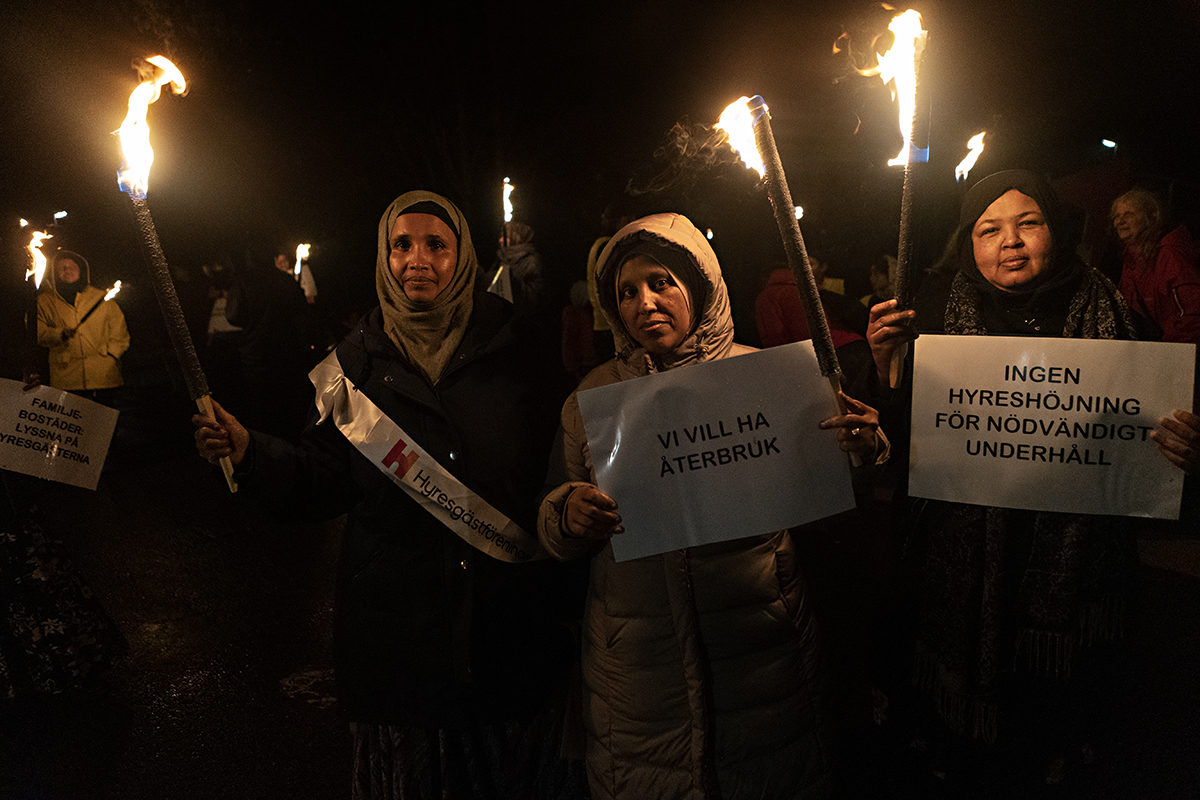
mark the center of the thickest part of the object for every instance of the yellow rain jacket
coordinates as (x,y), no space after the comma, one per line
(90,358)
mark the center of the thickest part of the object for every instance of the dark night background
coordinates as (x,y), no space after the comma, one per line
(303,121)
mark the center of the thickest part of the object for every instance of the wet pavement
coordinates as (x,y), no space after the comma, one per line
(227,689)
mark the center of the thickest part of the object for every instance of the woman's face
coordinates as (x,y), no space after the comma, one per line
(423,254)
(1129,220)
(653,307)
(1011,241)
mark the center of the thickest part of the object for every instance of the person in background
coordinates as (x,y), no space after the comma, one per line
(700,666)
(276,347)
(880,276)
(451,662)
(518,255)
(86,334)
(308,284)
(1160,278)
(578,341)
(222,358)
(780,318)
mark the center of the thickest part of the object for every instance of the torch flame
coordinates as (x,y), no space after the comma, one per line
(134,176)
(898,66)
(301,254)
(507,200)
(974,150)
(737,120)
(113,292)
(37,259)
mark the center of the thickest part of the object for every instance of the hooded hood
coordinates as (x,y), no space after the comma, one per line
(50,279)
(673,241)
(426,333)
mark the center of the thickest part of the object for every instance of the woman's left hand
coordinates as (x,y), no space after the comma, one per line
(856,428)
(1179,440)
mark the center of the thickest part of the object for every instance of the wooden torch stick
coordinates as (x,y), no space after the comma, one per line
(797,254)
(181,337)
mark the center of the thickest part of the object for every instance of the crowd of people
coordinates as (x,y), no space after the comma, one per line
(488,641)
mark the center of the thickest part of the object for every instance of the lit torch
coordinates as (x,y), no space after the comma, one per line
(134,179)
(36,270)
(747,122)
(109,295)
(506,200)
(974,150)
(302,251)
(900,66)
(37,259)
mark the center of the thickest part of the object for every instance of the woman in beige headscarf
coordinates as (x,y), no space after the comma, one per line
(449,661)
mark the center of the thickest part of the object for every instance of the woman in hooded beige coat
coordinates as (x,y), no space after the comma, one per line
(699,665)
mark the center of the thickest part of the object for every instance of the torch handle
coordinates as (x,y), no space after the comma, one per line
(793,241)
(835,383)
(168,300)
(204,403)
(90,311)
(896,372)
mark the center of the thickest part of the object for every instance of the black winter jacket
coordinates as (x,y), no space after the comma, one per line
(429,630)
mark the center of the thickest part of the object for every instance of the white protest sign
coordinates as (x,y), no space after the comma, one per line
(53,434)
(1047,424)
(717,451)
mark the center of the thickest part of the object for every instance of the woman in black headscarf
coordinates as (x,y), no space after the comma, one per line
(450,654)
(1012,605)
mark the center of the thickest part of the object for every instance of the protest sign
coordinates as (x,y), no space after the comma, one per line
(717,451)
(53,434)
(1047,424)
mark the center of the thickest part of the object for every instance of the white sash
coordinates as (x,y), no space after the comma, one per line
(387,446)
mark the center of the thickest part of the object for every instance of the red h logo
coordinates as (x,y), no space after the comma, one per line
(396,457)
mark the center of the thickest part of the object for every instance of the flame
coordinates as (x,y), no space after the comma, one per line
(974,150)
(507,200)
(301,254)
(37,258)
(898,66)
(737,120)
(134,176)
(113,292)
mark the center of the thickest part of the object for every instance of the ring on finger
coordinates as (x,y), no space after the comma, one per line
(855,431)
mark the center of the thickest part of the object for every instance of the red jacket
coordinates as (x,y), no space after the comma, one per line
(1166,291)
(779,312)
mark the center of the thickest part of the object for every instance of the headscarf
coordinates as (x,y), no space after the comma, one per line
(1067,299)
(674,242)
(427,334)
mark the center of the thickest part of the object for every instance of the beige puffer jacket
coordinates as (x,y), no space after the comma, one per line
(699,665)
(90,359)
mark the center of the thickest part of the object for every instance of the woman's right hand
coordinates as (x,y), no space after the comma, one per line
(224,436)
(591,514)
(887,329)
